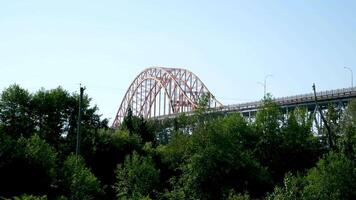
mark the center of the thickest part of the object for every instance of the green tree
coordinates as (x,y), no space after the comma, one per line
(267,126)
(128,122)
(347,142)
(136,178)
(176,151)
(299,148)
(30,197)
(139,126)
(333,117)
(51,113)
(7,148)
(16,112)
(220,161)
(79,182)
(234,196)
(108,149)
(53,110)
(91,124)
(31,167)
(292,189)
(286,142)
(334,177)
(268,118)
(39,152)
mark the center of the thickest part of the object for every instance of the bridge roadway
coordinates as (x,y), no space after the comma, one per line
(340,97)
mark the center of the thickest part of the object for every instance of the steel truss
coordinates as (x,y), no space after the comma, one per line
(160,91)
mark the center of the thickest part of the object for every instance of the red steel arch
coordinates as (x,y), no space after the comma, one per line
(159,91)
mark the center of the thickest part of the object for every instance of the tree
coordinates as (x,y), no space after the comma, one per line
(139,126)
(219,161)
(128,122)
(292,189)
(30,169)
(286,142)
(268,118)
(347,142)
(16,112)
(334,177)
(79,182)
(175,153)
(234,196)
(53,110)
(52,114)
(7,148)
(108,149)
(299,149)
(268,127)
(30,197)
(332,117)
(136,178)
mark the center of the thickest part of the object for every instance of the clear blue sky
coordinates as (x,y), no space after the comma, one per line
(230,45)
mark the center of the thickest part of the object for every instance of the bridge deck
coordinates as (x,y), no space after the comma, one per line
(324,98)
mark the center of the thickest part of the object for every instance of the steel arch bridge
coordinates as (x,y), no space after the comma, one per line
(159,91)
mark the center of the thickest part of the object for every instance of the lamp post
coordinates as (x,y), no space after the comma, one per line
(352,76)
(264,84)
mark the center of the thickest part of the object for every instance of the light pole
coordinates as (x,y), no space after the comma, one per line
(264,84)
(352,76)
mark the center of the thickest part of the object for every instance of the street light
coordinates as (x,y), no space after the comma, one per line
(264,84)
(352,76)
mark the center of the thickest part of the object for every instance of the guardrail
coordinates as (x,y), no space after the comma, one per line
(284,101)
(299,99)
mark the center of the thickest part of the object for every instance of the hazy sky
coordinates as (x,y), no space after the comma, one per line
(230,45)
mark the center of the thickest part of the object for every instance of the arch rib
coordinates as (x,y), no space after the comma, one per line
(180,89)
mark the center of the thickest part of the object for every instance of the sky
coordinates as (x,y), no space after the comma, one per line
(230,45)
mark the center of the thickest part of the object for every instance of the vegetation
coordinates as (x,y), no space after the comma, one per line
(204,156)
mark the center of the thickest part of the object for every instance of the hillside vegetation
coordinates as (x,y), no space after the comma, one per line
(205,156)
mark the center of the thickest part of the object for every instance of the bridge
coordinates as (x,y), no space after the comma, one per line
(160,93)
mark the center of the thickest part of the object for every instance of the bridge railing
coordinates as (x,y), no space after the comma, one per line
(288,100)
(295,99)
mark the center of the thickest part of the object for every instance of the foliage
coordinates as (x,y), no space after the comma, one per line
(176,151)
(234,196)
(52,112)
(80,182)
(285,143)
(298,144)
(16,112)
(267,126)
(6,148)
(137,177)
(333,117)
(138,126)
(203,104)
(38,152)
(334,177)
(268,117)
(347,142)
(203,155)
(30,197)
(219,161)
(291,189)
(30,168)
(109,148)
